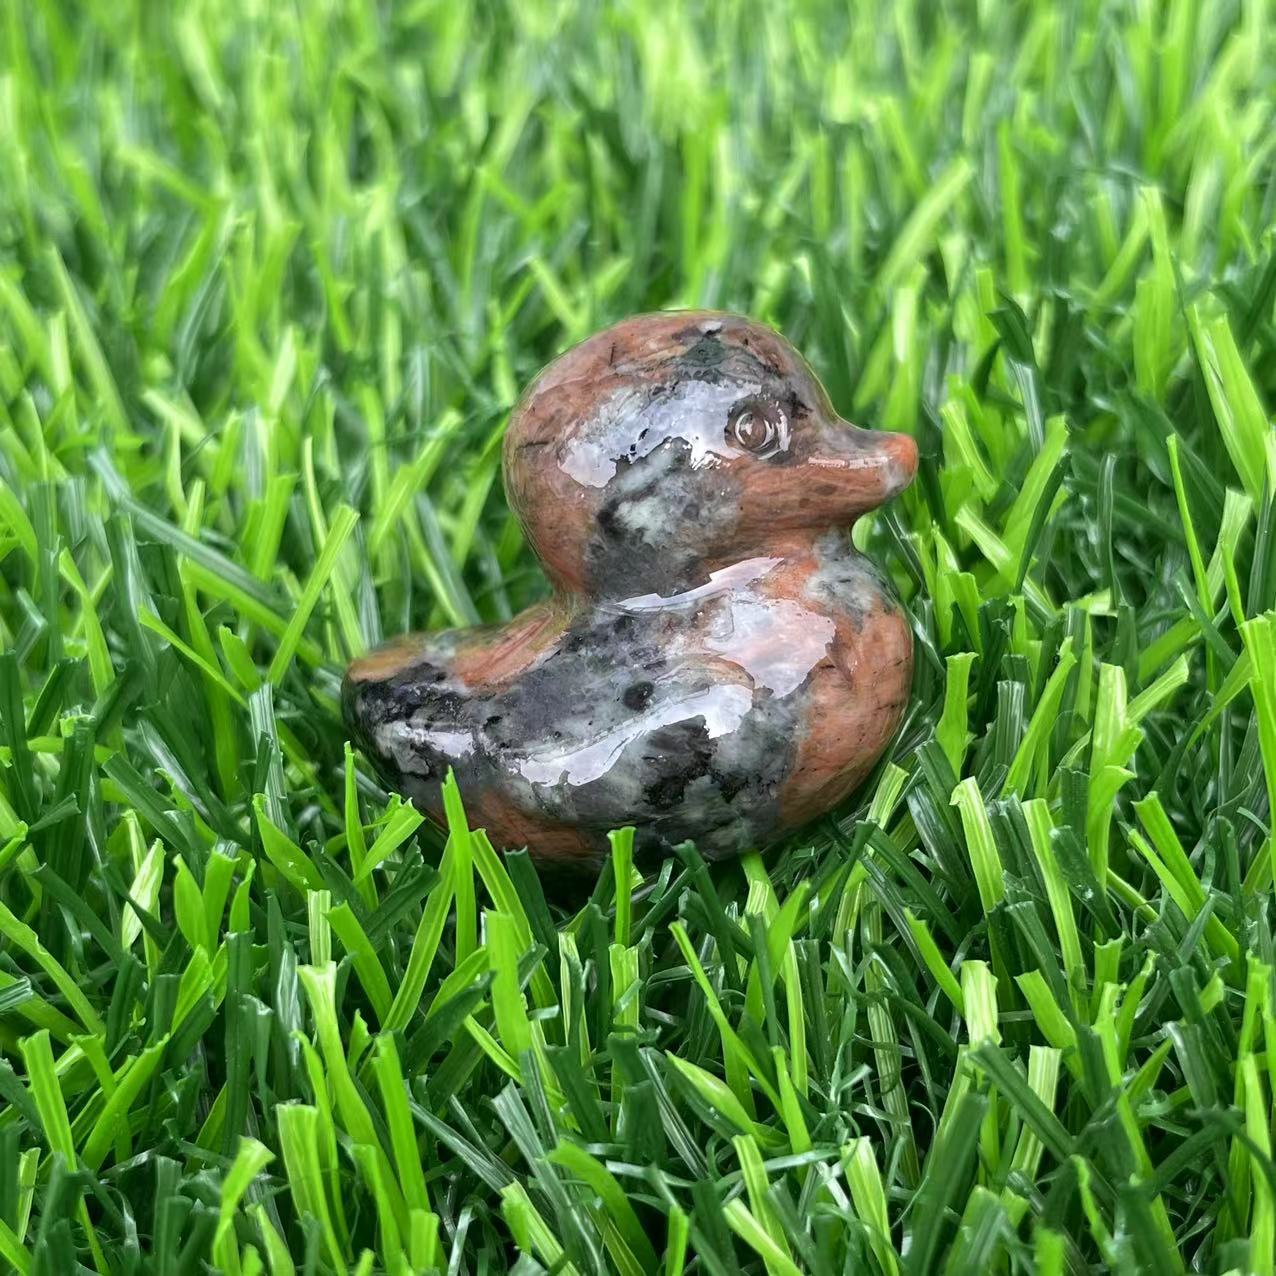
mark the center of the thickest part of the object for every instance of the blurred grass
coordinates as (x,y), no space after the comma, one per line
(270,278)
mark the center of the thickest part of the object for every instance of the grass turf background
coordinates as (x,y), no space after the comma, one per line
(270,278)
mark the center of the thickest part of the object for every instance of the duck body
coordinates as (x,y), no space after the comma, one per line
(716,663)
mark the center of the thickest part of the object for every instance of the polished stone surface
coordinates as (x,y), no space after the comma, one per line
(716,663)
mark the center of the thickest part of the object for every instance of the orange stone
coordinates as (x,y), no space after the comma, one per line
(716,663)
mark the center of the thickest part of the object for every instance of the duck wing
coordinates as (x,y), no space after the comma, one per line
(639,727)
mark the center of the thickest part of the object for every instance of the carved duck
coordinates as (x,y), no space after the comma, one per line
(716,662)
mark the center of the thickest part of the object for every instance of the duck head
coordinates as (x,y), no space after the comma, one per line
(673,444)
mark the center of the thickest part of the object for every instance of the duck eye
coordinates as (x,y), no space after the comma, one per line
(758,427)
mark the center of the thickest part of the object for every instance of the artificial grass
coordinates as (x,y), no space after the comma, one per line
(270,279)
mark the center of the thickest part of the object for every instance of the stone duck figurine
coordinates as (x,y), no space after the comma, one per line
(716,662)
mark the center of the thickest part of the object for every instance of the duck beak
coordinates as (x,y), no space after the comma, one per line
(869,466)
